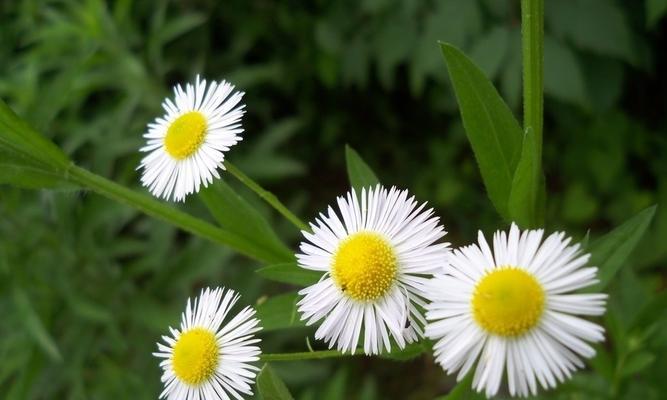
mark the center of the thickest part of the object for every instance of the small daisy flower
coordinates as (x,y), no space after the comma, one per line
(187,145)
(207,359)
(376,255)
(513,311)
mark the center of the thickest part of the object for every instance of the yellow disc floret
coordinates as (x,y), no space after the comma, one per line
(364,266)
(195,356)
(508,301)
(185,135)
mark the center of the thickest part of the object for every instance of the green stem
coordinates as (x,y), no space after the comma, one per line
(306,355)
(266,196)
(157,209)
(532,32)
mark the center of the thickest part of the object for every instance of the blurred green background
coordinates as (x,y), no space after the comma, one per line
(87,286)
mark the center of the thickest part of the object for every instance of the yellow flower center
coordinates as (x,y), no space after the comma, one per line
(185,135)
(508,302)
(364,266)
(195,356)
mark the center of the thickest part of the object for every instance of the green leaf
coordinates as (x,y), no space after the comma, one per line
(290,273)
(280,312)
(270,386)
(19,140)
(158,209)
(655,10)
(33,324)
(527,184)
(234,214)
(610,252)
(463,391)
(360,174)
(494,133)
(20,172)
(585,240)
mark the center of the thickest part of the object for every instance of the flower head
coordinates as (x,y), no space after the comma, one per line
(376,254)
(206,359)
(186,146)
(512,311)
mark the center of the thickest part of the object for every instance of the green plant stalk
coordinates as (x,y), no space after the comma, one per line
(266,196)
(305,355)
(532,42)
(157,209)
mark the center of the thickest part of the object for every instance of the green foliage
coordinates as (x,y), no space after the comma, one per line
(563,76)
(527,195)
(34,326)
(18,171)
(104,281)
(610,252)
(234,214)
(279,312)
(289,273)
(270,386)
(463,391)
(494,133)
(18,140)
(410,352)
(359,173)
(655,9)
(595,25)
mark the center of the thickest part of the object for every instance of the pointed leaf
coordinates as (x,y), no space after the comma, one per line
(18,171)
(524,202)
(270,386)
(494,133)
(19,139)
(610,252)
(360,174)
(290,273)
(234,214)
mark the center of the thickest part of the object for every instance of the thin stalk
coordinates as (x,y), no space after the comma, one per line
(532,41)
(157,209)
(266,196)
(306,355)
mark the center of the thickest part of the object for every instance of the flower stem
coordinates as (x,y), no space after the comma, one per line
(266,196)
(306,355)
(160,210)
(532,32)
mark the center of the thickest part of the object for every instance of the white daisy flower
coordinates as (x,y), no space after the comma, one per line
(207,359)
(376,256)
(187,145)
(513,311)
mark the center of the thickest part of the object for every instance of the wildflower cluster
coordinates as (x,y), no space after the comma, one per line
(508,308)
